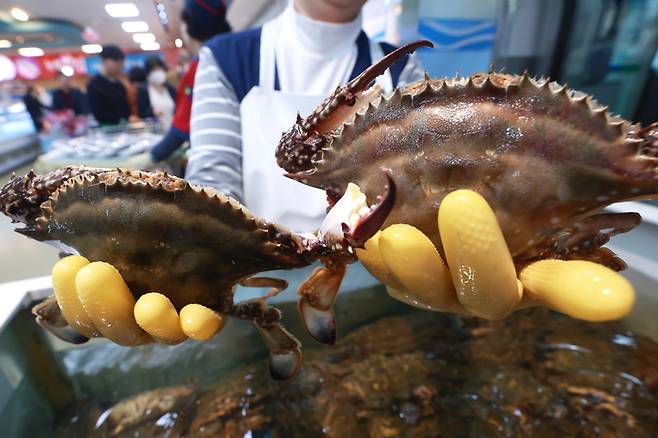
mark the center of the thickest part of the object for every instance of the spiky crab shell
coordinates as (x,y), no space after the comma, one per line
(164,235)
(545,158)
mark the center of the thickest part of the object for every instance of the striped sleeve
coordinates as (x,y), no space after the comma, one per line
(413,71)
(215,155)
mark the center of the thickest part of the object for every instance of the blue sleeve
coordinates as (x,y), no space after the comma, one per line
(238,55)
(173,140)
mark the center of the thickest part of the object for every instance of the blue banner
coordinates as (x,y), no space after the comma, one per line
(132,60)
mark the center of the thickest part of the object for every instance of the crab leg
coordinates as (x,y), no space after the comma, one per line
(285,349)
(49,316)
(276,284)
(317,297)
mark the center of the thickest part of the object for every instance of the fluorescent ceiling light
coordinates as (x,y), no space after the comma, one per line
(121,10)
(91,48)
(30,51)
(135,26)
(178,43)
(150,46)
(143,38)
(19,14)
(5,44)
(67,71)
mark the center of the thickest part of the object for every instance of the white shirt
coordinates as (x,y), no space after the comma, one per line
(163,105)
(313,56)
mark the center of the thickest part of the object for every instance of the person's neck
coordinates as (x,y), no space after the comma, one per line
(318,38)
(109,76)
(193,46)
(325,11)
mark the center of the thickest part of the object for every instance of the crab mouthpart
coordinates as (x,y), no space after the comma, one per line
(351,221)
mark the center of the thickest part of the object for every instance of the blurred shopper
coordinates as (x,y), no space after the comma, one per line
(136,78)
(250,86)
(108,98)
(200,21)
(155,98)
(68,97)
(35,107)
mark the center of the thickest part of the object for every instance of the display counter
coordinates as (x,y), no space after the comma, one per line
(110,146)
(19,143)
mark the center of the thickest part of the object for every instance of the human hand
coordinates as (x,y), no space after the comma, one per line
(480,278)
(95,301)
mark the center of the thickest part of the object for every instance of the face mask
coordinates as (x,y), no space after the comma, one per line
(157,77)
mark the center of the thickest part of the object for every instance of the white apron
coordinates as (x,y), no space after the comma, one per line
(265,114)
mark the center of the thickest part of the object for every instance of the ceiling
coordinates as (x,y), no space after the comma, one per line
(55,34)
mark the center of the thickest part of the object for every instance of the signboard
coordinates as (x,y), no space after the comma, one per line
(49,65)
(43,67)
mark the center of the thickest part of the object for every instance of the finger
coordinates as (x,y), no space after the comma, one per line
(480,263)
(199,322)
(416,265)
(157,316)
(109,304)
(372,260)
(63,277)
(579,288)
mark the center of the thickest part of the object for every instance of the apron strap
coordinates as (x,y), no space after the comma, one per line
(363,57)
(267,77)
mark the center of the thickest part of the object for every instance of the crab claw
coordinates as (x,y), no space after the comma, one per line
(351,220)
(372,221)
(364,80)
(285,350)
(317,297)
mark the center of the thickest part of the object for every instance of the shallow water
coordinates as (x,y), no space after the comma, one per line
(408,373)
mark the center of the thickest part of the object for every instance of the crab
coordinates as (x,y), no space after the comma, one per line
(546,158)
(193,244)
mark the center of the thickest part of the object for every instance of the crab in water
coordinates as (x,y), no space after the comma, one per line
(192,244)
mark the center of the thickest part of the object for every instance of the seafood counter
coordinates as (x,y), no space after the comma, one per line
(107,146)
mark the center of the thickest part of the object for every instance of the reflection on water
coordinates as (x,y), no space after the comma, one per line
(416,374)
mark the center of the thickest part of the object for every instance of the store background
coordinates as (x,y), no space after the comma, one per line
(604,47)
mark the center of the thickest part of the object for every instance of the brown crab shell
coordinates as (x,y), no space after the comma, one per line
(164,235)
(546,158)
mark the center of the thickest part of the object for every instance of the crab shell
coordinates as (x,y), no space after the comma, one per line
(164,235)
(546,158)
